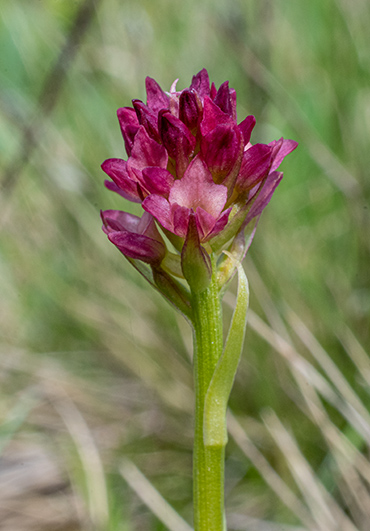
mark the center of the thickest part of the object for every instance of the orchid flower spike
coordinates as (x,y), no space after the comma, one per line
(199,179)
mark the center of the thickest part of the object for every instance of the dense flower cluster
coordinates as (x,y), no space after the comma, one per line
(189,163)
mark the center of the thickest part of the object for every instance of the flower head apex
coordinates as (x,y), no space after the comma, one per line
(189,158)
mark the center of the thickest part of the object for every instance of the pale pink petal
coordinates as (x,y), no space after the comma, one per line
(197,189)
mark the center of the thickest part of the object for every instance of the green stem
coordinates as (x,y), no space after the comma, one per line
(208,461)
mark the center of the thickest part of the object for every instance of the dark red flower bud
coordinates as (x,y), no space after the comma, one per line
(173,133)
(147,118)
(129,125)
(222,150)
(190,109)
(200,83)
(226,100)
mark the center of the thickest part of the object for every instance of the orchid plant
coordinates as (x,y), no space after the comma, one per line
(202,186)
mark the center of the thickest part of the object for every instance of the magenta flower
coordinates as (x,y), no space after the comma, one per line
(189,158)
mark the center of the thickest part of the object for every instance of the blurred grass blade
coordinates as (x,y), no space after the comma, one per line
(88,453)
(270,476)
(152,498)
(324,509)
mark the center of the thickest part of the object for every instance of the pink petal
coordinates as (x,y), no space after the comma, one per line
(213,92)
(246,127)
(127,116)
(157,180)
(220,224)
(114,188)
(111,220)
(180,217)
(233,102)
(205,223)
(225,101)
(146,152)
(148,227)
(116,220)
(282,148)
(200,83)
(157,99)
(264,195)
(160,208)
(117,171)
(139,247)
(255,166)
(212,116)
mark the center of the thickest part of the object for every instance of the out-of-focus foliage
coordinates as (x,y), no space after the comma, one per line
(94,365)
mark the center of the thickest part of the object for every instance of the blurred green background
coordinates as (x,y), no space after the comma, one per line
(96,384)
